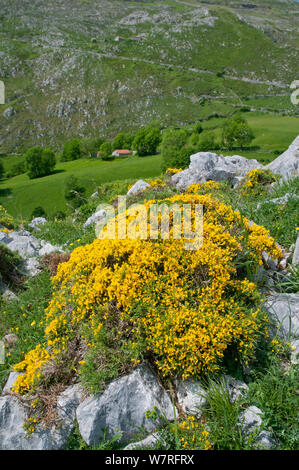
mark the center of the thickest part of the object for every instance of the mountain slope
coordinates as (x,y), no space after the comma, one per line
(89,67)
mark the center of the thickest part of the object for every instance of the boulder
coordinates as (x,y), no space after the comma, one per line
(149,442)
(28,246)
(13,416)
(191,396)
(37,221)
(31,267)
(284,310)
(236,388)
(10,382)
(279,200)
(205,166)
(138,187)
(295,259)
(123,406)
(251,419)
(295,351)
(47,248)
(95,218)
(287,164)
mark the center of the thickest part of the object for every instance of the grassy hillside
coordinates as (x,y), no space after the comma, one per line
(66,74)
(20,195)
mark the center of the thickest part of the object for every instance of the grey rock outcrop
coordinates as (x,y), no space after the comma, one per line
(279,200)
(191,396)
(295,259)
(123,407)
(37,221)
(13,415)
(236,388)
(284,310)
(138,187)
(287,164)
(205,166)
(10,382)
(295,351)
(149,442)
(95,218)
(251,421)
(26,245)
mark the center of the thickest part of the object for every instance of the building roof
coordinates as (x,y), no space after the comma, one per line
(123,152)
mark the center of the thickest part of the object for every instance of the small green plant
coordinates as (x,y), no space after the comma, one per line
(275,391)
(222,417)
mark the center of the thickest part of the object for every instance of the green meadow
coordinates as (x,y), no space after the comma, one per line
(20,195)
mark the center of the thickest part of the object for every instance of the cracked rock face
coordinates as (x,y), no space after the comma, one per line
(205,166)
(284,310)
(13,416)
(27,245)
(123,407)
(139,186)
(287,164)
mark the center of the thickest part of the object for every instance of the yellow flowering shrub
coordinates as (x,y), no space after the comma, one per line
(182,310)
(5,218)
(173,171)
(203,188)
(156,183)
(256,181)
(193,435)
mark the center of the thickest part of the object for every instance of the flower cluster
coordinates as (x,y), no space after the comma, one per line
(193,435)
(5,218)
(156,183)
(182,310)
(173,171)
(257,180)
(203,188)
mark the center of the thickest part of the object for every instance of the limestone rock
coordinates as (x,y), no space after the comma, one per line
(295,259)
(37,221)
(139,186)
(250,419)
(13,416)
(123,406)
(149,441)
(287,164)
(284,310)
(95,218)
(191,396)
(205,166)
(10,382)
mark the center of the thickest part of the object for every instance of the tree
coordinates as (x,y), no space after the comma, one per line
(90,146)
(147,140)
(105,150)
(236,132)
(48,161)
(198,128)
(173,149)
(123,141)
(71,151)
(74,193)
(1,170)
(206,142)
(39,162)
